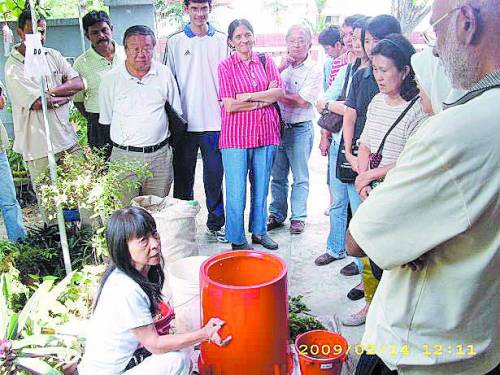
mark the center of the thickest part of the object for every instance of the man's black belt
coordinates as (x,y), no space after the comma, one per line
(146,150)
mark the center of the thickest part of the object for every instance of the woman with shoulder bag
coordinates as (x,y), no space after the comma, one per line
(394,114)
(363,90)
(250,134)
(329,145)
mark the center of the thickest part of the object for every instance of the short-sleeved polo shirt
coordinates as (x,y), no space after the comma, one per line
(92,67)
(23,91)
(135,108)
(363,89)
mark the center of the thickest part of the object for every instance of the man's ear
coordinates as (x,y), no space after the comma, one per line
(467,25)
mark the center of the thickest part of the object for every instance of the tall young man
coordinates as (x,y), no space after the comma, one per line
(193,55)
(103,54)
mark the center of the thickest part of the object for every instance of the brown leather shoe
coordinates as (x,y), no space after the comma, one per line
(325,259)
(350,270)
(297,226)
(273,223)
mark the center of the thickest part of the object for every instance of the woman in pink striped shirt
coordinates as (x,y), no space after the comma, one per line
(250,133)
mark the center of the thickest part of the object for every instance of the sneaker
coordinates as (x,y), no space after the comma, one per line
(265,241)
(350,270)
(217,235)
(325,259)
(356,319)
(273,223)
(297,226)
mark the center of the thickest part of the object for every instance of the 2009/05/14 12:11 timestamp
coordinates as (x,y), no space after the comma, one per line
(393,350)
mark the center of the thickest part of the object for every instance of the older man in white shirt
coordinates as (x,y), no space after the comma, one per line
(432,225)
(132,100)
(303,79)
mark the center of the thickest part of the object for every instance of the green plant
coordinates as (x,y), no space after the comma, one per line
(80,123)
(40,253)
(23,349)
(87,181)
(299,319)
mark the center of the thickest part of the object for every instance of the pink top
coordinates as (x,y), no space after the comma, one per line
(256,128)
(337,64)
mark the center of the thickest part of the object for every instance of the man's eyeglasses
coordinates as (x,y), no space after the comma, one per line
(137,51)
(430,34)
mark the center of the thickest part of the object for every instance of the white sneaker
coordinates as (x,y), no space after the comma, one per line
(217,235)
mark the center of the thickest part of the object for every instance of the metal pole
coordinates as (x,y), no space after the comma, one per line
(53,178)
(81,4)
(51,158)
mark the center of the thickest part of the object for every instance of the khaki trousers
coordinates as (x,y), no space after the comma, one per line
(160,164)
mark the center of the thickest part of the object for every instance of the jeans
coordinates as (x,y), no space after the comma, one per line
(343,194)
(293,153)
(11,211)
(185,157)
(257,163)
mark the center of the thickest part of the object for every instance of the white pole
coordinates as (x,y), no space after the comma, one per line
(51,157)
(81,4)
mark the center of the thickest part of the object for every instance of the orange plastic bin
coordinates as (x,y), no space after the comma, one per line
(248,290)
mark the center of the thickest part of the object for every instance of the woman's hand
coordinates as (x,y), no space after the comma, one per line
(2,101)
(273,85)
(320,105)
(244,97)
(353,160)
(324,144)
(211,330)
(363,179)
(365,192)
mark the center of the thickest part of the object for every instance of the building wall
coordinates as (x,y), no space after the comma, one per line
(64,34)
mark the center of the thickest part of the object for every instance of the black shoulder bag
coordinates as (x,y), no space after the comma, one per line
(376,157)
(344,170)
(177,125)
(332,121)
(263,61)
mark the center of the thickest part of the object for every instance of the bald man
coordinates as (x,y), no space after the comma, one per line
(433,224)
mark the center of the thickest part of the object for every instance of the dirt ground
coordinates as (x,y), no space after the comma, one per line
(323,288)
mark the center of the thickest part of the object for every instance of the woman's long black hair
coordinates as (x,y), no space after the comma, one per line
(123,225)
(399,50)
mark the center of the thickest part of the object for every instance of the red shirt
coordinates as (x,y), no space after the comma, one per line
(256,128)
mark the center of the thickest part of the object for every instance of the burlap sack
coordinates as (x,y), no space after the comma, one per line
(176,224)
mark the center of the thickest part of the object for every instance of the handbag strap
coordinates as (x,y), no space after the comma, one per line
(346,82)
(398,120)
(263,61)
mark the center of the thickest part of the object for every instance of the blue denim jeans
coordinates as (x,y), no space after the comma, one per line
(343,194)
(257,164)
(293,154)
(12,214)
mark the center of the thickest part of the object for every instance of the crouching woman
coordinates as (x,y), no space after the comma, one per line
(126,302)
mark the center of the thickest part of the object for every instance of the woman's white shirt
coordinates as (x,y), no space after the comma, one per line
(110,343)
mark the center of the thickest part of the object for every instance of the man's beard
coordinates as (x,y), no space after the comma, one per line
(460,63)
